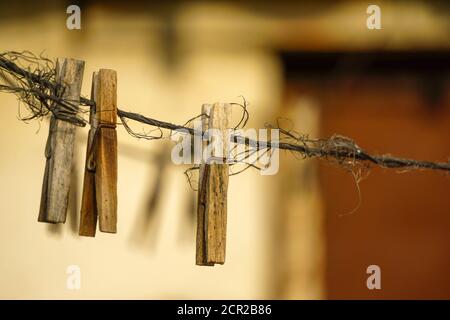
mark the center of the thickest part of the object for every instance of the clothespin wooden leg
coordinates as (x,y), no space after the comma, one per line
(106,151)
(201,198)
(212,193)
(60,145)
(88,214)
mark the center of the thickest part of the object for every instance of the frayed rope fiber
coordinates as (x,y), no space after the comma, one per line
(32,79)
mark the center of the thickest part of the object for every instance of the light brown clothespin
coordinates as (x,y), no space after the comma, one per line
(212,192)
(60,145)
(100,177)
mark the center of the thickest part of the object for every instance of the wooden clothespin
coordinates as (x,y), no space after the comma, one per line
(100,177)
(88,215)
(212,192)
(60,146)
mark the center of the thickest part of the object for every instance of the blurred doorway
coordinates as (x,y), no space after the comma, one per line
(388,102)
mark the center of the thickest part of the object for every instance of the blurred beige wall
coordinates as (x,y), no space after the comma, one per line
(161,264)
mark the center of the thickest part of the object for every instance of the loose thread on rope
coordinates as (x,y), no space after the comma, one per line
(38,90)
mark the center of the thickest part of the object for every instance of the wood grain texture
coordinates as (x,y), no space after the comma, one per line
(106,151)
(212,198)
(89,214)
(201,198)
(60,146)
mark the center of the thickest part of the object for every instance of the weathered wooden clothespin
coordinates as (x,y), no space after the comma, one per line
(100,177)
(60,146)
(88,215)
(212,191)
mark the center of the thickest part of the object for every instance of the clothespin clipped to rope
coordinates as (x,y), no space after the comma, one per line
(89,215)
(212,191)
(60,145)
(99,200)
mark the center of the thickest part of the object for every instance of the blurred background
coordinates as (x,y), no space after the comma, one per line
(289,235)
